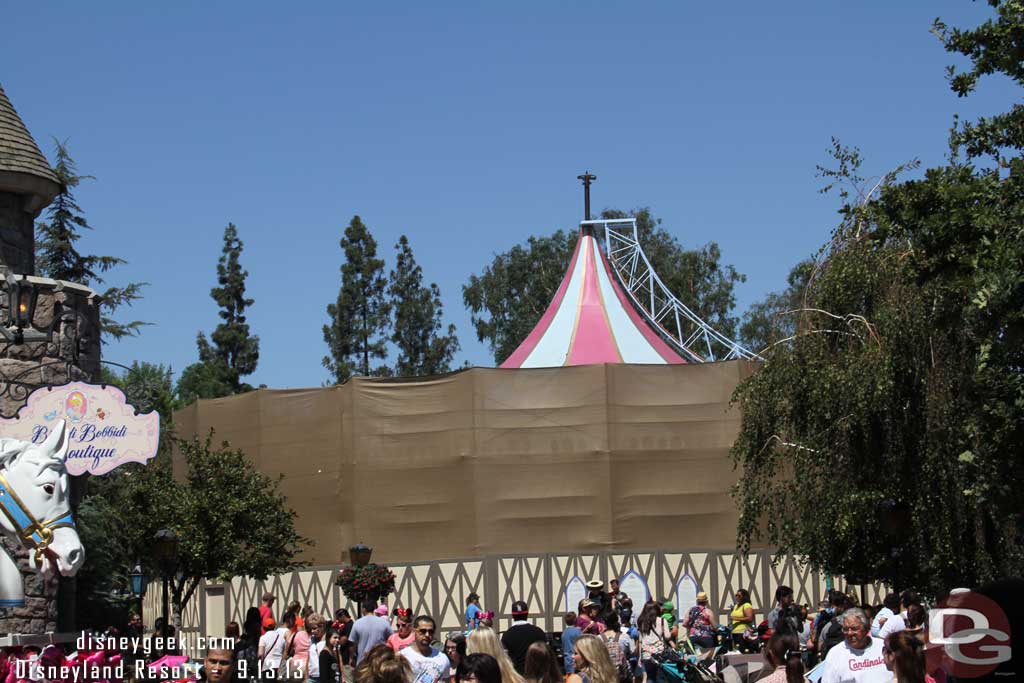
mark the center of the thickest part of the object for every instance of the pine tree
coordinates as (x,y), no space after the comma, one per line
(359,320)
(232,343)
(234,352)
(57,255)
(422,350)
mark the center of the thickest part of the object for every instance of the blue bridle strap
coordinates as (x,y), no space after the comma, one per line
(33,533)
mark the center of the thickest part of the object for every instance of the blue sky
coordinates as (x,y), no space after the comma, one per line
(462,125)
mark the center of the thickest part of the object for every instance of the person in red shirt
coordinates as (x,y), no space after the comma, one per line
(266,611)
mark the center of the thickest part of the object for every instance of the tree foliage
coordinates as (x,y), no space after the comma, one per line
(423,347)
(883,440)
(512,293)
(99,518)
(234,352)
(57,254)
(774,318)
(357,330)
(995,47)
(231,519)
(209,378)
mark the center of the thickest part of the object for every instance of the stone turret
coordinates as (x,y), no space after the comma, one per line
(60,343)
(27,186)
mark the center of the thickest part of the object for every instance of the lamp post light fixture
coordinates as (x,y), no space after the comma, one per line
(22,295)
(139,583)
(166,551)
(359,555)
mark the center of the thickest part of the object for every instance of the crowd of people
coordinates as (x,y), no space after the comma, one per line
(602,642)
(854,644)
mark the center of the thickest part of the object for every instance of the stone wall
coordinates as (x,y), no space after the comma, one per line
(73,353)
(39,615)
(72,311)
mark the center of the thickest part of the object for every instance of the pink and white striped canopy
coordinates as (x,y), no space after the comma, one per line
(590,321)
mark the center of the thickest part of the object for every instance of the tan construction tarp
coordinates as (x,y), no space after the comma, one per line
(489,461)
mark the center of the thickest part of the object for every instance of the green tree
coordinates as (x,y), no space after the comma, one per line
(359,319)
(417,333)
(512,293)
(101,579)
(775,317)
(994,47)
(231,519)
(882,441)
(234,352)
(99,518)
(57,254)
(210,377)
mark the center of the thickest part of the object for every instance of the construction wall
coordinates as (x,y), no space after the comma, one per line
(491,461)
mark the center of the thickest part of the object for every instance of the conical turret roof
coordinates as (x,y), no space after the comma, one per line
(590,321)
(23,168)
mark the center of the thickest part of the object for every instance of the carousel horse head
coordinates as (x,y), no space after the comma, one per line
(34,501)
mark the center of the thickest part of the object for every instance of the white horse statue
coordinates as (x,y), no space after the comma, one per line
(35,507)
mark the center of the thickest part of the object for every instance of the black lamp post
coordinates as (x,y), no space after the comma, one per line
(166,551)
(139,583)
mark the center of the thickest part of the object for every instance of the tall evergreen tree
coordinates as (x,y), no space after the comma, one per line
(232,343)
(422,348)
(57,255)
(234,352)
(359,320)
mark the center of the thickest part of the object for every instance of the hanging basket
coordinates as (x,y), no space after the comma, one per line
(371,581)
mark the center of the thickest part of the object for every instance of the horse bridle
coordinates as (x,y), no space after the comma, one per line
(33,533)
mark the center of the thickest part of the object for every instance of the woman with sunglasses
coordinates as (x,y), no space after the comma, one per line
(403,624)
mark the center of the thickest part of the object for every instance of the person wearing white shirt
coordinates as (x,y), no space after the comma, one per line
(891,604)
(859,658)
(428,664)
(898,622)
(317,630)
(271,650)
(893,624)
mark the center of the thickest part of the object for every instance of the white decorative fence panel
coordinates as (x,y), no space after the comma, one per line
(550,583)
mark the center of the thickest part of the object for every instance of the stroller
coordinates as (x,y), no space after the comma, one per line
(674,667)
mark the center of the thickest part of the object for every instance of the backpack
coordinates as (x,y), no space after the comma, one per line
(653,643)
(831,635)
(698,625)
(618,656)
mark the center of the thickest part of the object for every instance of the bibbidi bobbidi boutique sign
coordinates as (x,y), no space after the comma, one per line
(103,429)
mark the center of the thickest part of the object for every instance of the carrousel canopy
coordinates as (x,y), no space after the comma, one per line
(591,320)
